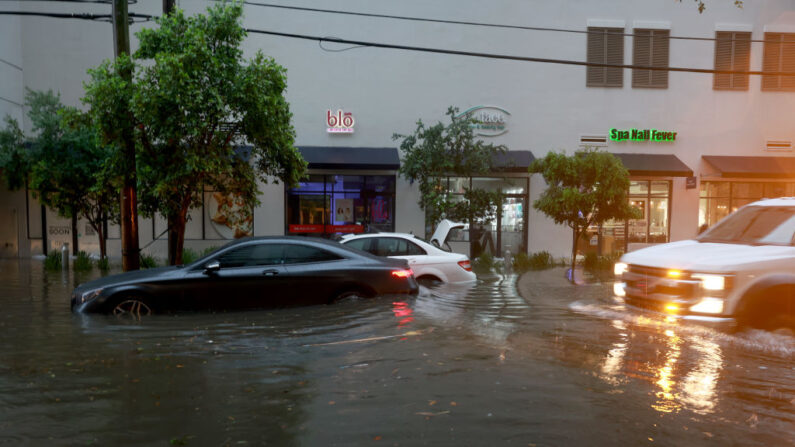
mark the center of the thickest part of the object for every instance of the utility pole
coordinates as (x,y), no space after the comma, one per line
(129,198)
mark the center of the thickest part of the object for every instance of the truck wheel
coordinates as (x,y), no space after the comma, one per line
(781,325)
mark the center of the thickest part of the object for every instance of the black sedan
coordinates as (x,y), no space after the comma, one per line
(250,273)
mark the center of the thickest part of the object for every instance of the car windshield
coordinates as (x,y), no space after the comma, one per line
(753,225)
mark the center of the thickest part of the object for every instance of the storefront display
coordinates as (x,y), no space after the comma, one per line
(329,204)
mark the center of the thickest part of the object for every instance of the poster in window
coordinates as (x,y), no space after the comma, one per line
(344,211)
(231,217)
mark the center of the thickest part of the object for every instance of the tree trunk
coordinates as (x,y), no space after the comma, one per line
(74,235)
(102,243)
(176,237)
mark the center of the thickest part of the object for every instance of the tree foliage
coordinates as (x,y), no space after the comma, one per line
(702,6)
(587,188)
(194,103)
(62,162)
(432,153)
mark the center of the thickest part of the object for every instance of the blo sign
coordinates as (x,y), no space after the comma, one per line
(339,122)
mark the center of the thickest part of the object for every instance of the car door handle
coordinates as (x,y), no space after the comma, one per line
(270,272)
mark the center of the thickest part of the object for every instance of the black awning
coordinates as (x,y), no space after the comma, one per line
(342,157)
(752,167)
(513,161)
(655,165)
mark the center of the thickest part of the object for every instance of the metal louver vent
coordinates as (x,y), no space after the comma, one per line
(778,146)
(593,140)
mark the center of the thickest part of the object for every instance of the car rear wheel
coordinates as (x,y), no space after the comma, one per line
(429,281)
(347,294)
(134,306)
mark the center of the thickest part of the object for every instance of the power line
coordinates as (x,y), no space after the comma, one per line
(508,57)
(11,64)
(104,2)
(78,15)
(12,102)
(461,22)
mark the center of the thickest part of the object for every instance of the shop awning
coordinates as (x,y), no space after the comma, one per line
(655,165)
(513,161)
(344,157)
(752,167)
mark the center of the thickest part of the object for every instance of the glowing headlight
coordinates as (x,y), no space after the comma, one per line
(620,268)
(91,294)
(711,282)
(708,306)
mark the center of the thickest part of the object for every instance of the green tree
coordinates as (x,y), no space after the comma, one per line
(194,103)
(432,153)
(62,163)
(587,188)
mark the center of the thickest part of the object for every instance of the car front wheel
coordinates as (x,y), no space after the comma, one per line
(134,306)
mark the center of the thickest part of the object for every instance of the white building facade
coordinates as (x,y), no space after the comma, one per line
(697,145)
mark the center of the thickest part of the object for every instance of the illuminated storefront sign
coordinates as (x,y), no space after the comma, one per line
(339,122)
(653,135)
(489,121)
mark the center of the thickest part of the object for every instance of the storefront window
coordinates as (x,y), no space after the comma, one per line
(329,204)
(718,199)
(652,199)
(507,230)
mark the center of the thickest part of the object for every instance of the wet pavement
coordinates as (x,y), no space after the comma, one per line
(509,361)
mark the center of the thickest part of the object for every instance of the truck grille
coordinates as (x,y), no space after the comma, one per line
(651,288)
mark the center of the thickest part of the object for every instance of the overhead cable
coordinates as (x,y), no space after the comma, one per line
(509,57)
(459,22)
(79,15)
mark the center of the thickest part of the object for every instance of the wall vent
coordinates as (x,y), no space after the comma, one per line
(593,140)
(778,146)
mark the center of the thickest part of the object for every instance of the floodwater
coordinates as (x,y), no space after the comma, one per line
(509,361)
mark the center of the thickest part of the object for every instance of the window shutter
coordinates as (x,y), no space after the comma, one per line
(595,76)
(615,56)
(641,56)
(659,58)
(732,53)
(605,46)
(771,60)
(742,60)
(788,61)
(723,60)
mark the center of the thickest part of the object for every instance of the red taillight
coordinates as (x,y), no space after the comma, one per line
(466,265)
(402,273)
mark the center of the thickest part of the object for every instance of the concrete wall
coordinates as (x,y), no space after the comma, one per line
(550,106)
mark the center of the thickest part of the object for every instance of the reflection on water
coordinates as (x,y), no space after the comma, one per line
(504,361)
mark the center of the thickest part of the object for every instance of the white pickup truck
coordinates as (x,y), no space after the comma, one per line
(739,273)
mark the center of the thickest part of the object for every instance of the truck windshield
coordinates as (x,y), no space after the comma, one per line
(753,225)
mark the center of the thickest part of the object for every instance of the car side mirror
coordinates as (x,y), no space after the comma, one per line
(212,267)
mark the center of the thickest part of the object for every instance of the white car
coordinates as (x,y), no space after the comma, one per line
(741,272)
(430,263)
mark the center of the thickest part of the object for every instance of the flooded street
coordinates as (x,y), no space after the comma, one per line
(515,361)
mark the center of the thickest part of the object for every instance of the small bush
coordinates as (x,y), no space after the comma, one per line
(53,260)
(82,262)
(484,263)
(103,264)
(536,261)
(595,263)
(148,262)
(208,250)
(189,256)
